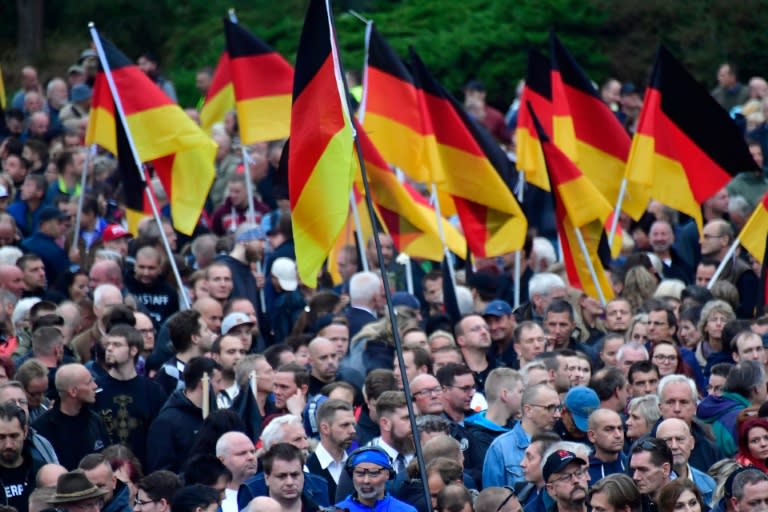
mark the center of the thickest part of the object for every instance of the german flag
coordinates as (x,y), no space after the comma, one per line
(686,147)
(578,206)
(134,188)
(347,234)
(393,118)
(320,167)
(405,214)
(221,96)
(3,101)
(472,165)
(538,92)
(163,135)
(752,235)
(262,80)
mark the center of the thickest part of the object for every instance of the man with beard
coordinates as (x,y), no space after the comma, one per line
(149,287)
(248,249)
(238,454)
(606,433)
(370,468)
(336,421)
(677,435)
(650,466)
(662,238)
(228,350)
(396,438)
(17,466)
(128,402)
(566,478)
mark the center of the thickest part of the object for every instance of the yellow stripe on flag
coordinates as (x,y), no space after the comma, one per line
(215,110)
(268,118)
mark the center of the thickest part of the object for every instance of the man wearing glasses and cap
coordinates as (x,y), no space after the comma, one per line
(566,478)
(370,468)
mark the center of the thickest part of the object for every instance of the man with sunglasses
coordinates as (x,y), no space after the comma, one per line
(541,408)
(566,478)
(370,468)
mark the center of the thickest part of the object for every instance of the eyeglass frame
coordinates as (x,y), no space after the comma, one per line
(551,408)
(512,494)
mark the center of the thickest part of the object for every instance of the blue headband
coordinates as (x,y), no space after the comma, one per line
(374,457)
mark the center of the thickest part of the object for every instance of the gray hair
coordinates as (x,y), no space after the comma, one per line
(634,346)
(530,393)
(739,206)
(675,377)
(646,406)
(748,476)
(10,254)
(744,377)
(273,433)
(543,283)
(533,365)
(363,286)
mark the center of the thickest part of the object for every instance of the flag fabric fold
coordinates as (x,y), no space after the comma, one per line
(320,160)
(578,206)
(472,166)
(221,96)
(181,154)
(538,92)
(686,147)
(752,235)
(405,214)
(262,80)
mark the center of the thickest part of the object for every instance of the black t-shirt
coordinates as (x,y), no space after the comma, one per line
(17,485)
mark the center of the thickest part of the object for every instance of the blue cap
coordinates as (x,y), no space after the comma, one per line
(405,299)
(497,308)
(249,234)
(50,213)
(581,401)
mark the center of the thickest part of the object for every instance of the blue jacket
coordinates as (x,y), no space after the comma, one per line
(705,483)
(27,222)
(502,461)
(119,501)
(386,504)
(54,257)
(315,488)
(599,469)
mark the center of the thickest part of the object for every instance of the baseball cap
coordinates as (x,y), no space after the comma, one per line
(233,320)
(405,299)
(284,269)
(558,461)
(51,213)
(581,401)
(249,233)
(113,232)
(497,308)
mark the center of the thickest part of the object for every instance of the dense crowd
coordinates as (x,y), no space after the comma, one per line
(268,395)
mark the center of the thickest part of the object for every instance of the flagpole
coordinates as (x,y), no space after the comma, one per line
(137,160)
(359,231)
(721,266)
(441,232)
(382,266)
(518,258)
(617,211)
(590,266)
(81,199)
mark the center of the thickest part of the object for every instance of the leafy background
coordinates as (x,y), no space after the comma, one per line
(458,39)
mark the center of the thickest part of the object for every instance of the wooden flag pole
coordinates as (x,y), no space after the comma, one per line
(206,405)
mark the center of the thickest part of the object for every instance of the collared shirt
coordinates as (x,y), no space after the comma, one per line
(327,461)
(393,454)
(227,396)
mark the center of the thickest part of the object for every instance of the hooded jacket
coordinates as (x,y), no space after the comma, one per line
(721,413)
(483,432)
(599,469)
(173,433)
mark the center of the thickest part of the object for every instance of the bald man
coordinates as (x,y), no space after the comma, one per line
(48,475)
(105,272)
(238,454)
(677,434)
(212,313)
(12,279)
(324,360)
(71,427)
(264,504)
(427,394)
(606,433)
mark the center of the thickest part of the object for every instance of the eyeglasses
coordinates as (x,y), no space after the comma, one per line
(18,401)
(661,357)
(578,474)
(430,391)
(138,503)
(551,408)
(371,473)
(464,389)
(511,495)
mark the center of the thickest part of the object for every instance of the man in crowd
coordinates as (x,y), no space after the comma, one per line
(148,285)
(236,451)
(606,433)
(566,479)
(336,423)
(370,469)
(16,459)
(650,466)
(677,435)
(98,470)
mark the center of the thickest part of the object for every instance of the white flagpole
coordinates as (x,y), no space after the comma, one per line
(80,200)
(590,266)
(518,262)
(721,266)
(358,231)
(441,232)
(617,211)
(137,160)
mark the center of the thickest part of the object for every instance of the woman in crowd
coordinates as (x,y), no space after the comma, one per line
(643,414)
(680,495)
(753,443)
(714,315)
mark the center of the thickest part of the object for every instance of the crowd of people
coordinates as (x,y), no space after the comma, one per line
(268,395)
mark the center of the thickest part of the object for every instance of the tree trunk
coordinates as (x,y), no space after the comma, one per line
(30,23)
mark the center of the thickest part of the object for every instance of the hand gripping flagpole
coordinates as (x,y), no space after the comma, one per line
(387,292)
(137,160)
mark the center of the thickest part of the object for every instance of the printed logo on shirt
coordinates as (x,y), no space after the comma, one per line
(12,491)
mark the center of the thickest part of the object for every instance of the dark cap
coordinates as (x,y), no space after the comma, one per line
(405,299)
(628,88)
(558,461)
(474,85)
(51,213)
